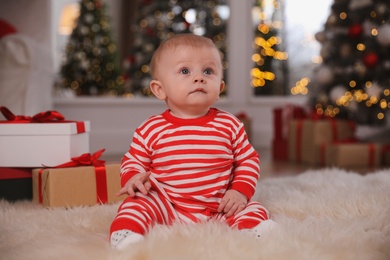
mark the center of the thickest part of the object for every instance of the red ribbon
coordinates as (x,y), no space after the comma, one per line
(282,117)
(371,155)
(299,140)
(49,116)
(85,159)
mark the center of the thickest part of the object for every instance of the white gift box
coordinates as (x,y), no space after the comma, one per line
(38,144)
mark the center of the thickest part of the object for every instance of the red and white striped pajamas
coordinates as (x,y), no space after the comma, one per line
(193,162)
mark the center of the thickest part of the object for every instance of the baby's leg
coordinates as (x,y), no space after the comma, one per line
(136,215)
(254,219)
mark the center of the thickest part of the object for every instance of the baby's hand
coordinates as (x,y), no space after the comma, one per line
(232,203)
(138,182)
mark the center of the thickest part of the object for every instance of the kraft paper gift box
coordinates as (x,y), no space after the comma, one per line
(43,139)
(15,183)
(306,137)
(76,186)
(353,155)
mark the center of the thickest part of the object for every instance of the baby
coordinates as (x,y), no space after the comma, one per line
(193,162)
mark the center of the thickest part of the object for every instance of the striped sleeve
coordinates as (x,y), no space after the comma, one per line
(246,171)
(138,157)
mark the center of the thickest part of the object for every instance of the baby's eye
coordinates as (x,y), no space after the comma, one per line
(208,71)
(184,71)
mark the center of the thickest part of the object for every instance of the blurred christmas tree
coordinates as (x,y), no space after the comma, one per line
(270,67)
(157,20)
(353,80)
(91,62)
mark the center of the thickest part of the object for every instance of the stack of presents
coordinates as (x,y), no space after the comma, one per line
(306,138)
(47,159)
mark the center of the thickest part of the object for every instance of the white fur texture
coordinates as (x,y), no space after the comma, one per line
(324,214)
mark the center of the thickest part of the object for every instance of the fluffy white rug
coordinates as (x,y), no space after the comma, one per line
(323,214)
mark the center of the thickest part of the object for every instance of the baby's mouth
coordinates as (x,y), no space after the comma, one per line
(198,90)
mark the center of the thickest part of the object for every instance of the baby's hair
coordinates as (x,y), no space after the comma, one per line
(178,40)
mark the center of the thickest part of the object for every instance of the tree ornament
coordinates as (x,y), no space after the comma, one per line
(332,20)
(375,90)
(345,50)
(370,59)
(337,92)
(326,50)
(386,64)
(98,4)
(360,68)
(384,35)
(324,75)
(368,26)
(321,37)
(88,18)
(355,30)
(358,4)
(323,98)
(353,106)
(381,8)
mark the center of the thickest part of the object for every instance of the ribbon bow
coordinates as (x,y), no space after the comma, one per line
(42,117)
(49,116)
(85,159)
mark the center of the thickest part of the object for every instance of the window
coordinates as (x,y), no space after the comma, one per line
(241,29)
(285,48)
(155,21)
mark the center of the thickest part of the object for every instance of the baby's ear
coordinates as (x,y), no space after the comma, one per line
(157,89)
(221,86)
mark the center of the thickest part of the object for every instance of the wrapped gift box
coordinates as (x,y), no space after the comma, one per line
(353,155)
(280,149)
(76,186)
(35,144)
(281,118)
(386,155)
(15,183)
(307,137)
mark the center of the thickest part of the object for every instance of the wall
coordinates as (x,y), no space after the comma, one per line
(113,121)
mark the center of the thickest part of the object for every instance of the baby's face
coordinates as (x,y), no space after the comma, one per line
(191,78)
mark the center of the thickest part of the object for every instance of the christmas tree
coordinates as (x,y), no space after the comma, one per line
(158,20)
(353,80)
(91,62)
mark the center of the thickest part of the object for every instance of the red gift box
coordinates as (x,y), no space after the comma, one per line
(15,183)
(282,117)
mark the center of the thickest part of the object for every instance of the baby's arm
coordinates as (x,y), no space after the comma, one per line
(139,182)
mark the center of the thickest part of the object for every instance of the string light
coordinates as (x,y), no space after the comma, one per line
(266,45)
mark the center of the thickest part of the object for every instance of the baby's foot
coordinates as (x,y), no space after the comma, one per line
(122,238)
(262,228)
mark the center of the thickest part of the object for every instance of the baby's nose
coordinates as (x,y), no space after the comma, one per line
(199,79)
